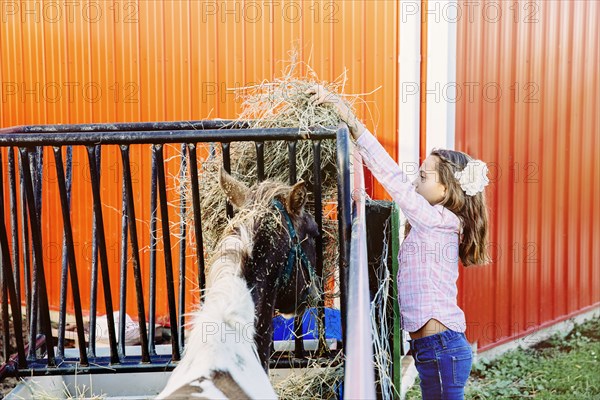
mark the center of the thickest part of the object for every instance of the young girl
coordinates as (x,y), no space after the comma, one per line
(447,222)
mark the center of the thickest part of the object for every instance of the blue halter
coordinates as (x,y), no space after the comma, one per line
(295,251)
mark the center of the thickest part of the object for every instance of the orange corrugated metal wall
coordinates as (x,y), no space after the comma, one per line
(95,61)
(529,78)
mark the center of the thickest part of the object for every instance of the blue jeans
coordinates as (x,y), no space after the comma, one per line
(444,363)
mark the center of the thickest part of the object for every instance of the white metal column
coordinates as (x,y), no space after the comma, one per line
(409,80)
(442,19)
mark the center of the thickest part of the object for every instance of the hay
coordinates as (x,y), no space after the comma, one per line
(314,382)
(380,309)
(285,102)
(77,391)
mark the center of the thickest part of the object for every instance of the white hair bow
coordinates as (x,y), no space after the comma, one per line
(473,178)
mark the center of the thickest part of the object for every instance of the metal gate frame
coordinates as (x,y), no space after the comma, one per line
(43,358)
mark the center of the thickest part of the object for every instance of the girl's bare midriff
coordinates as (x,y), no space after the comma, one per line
(431,327)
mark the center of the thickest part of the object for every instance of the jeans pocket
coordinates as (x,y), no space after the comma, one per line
(424,356)
(461,367)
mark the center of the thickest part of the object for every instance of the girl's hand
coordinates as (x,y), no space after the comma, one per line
(320,95)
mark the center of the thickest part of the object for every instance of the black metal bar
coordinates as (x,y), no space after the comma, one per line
(8,285)
(95,175)
(159,364)
(197,215)
(5,325)
(152,288)
(39,278)
(292,162)
(3,284)
(260,160)
(94,272)
(64,271)
(14,221)
(62,307)
(64,188)
(34,320)
(227,165)
(298,337)
(38,179)
(101,366)
(135,253)
(29,165)
(127,126)
(318,214)
(182,244)
(164,214)
(160,137)
(36,161)
(4,310)
(25,241)
(344,216)
(123,266)
(16,273)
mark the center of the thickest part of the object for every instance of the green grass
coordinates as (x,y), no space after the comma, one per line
(562,367)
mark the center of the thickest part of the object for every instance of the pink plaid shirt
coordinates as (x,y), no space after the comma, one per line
(428,256)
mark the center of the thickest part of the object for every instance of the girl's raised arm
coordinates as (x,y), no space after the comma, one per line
(417,209)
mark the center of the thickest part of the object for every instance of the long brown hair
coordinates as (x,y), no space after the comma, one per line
(471,210)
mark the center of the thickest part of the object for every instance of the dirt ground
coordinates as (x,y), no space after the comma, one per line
(9,383)
(6,386)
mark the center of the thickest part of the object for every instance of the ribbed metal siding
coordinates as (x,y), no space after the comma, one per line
(541,141)
(174,60)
